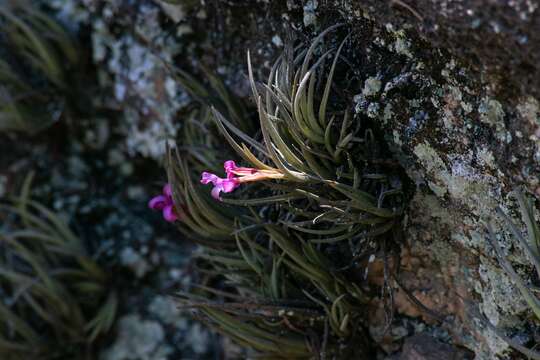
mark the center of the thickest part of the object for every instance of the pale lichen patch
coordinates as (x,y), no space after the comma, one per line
(433,165)
(485,157)
(141,83)
(492,113)
(372,86)
(529,109)
(310,16)
(497,285)
(175,11)
(387,113)
(402,46)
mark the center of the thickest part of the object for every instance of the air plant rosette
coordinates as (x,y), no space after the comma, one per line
(326,164)
(37,55)
(306,200)
(56,299)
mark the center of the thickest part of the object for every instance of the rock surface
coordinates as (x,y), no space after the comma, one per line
(453,86)
(424,347)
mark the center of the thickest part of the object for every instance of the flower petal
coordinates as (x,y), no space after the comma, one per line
(229,185)
(207,177)
(169,214)
(167,190)
(231,169)
(158,202)
(216,191)
(229,165)
(221,185)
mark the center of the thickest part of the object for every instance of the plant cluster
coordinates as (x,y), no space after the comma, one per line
(314,204)
(36,55)
(56,299)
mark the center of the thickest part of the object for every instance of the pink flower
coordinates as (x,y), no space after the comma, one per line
(165,204)
(235,177)
(220,185)
(231,169)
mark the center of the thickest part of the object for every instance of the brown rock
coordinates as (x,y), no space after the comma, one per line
(424,347)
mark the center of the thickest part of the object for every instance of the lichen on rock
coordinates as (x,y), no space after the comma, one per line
(460,136)
(134,66)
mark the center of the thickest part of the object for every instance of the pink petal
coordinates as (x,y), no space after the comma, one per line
(167,190)
(216,191)
(158,202)
(169,214)
(231,169)
(209,178)
(220,185)
(224,185)
(229,185)
(229,165)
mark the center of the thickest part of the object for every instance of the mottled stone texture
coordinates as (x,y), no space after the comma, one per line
(499,38)
(466,146)
(424,347)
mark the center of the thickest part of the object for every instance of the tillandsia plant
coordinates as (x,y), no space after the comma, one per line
(311,199)
(328,164)
(55,299)
(531,245)
(321,166)
(36,54)
(297,308)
